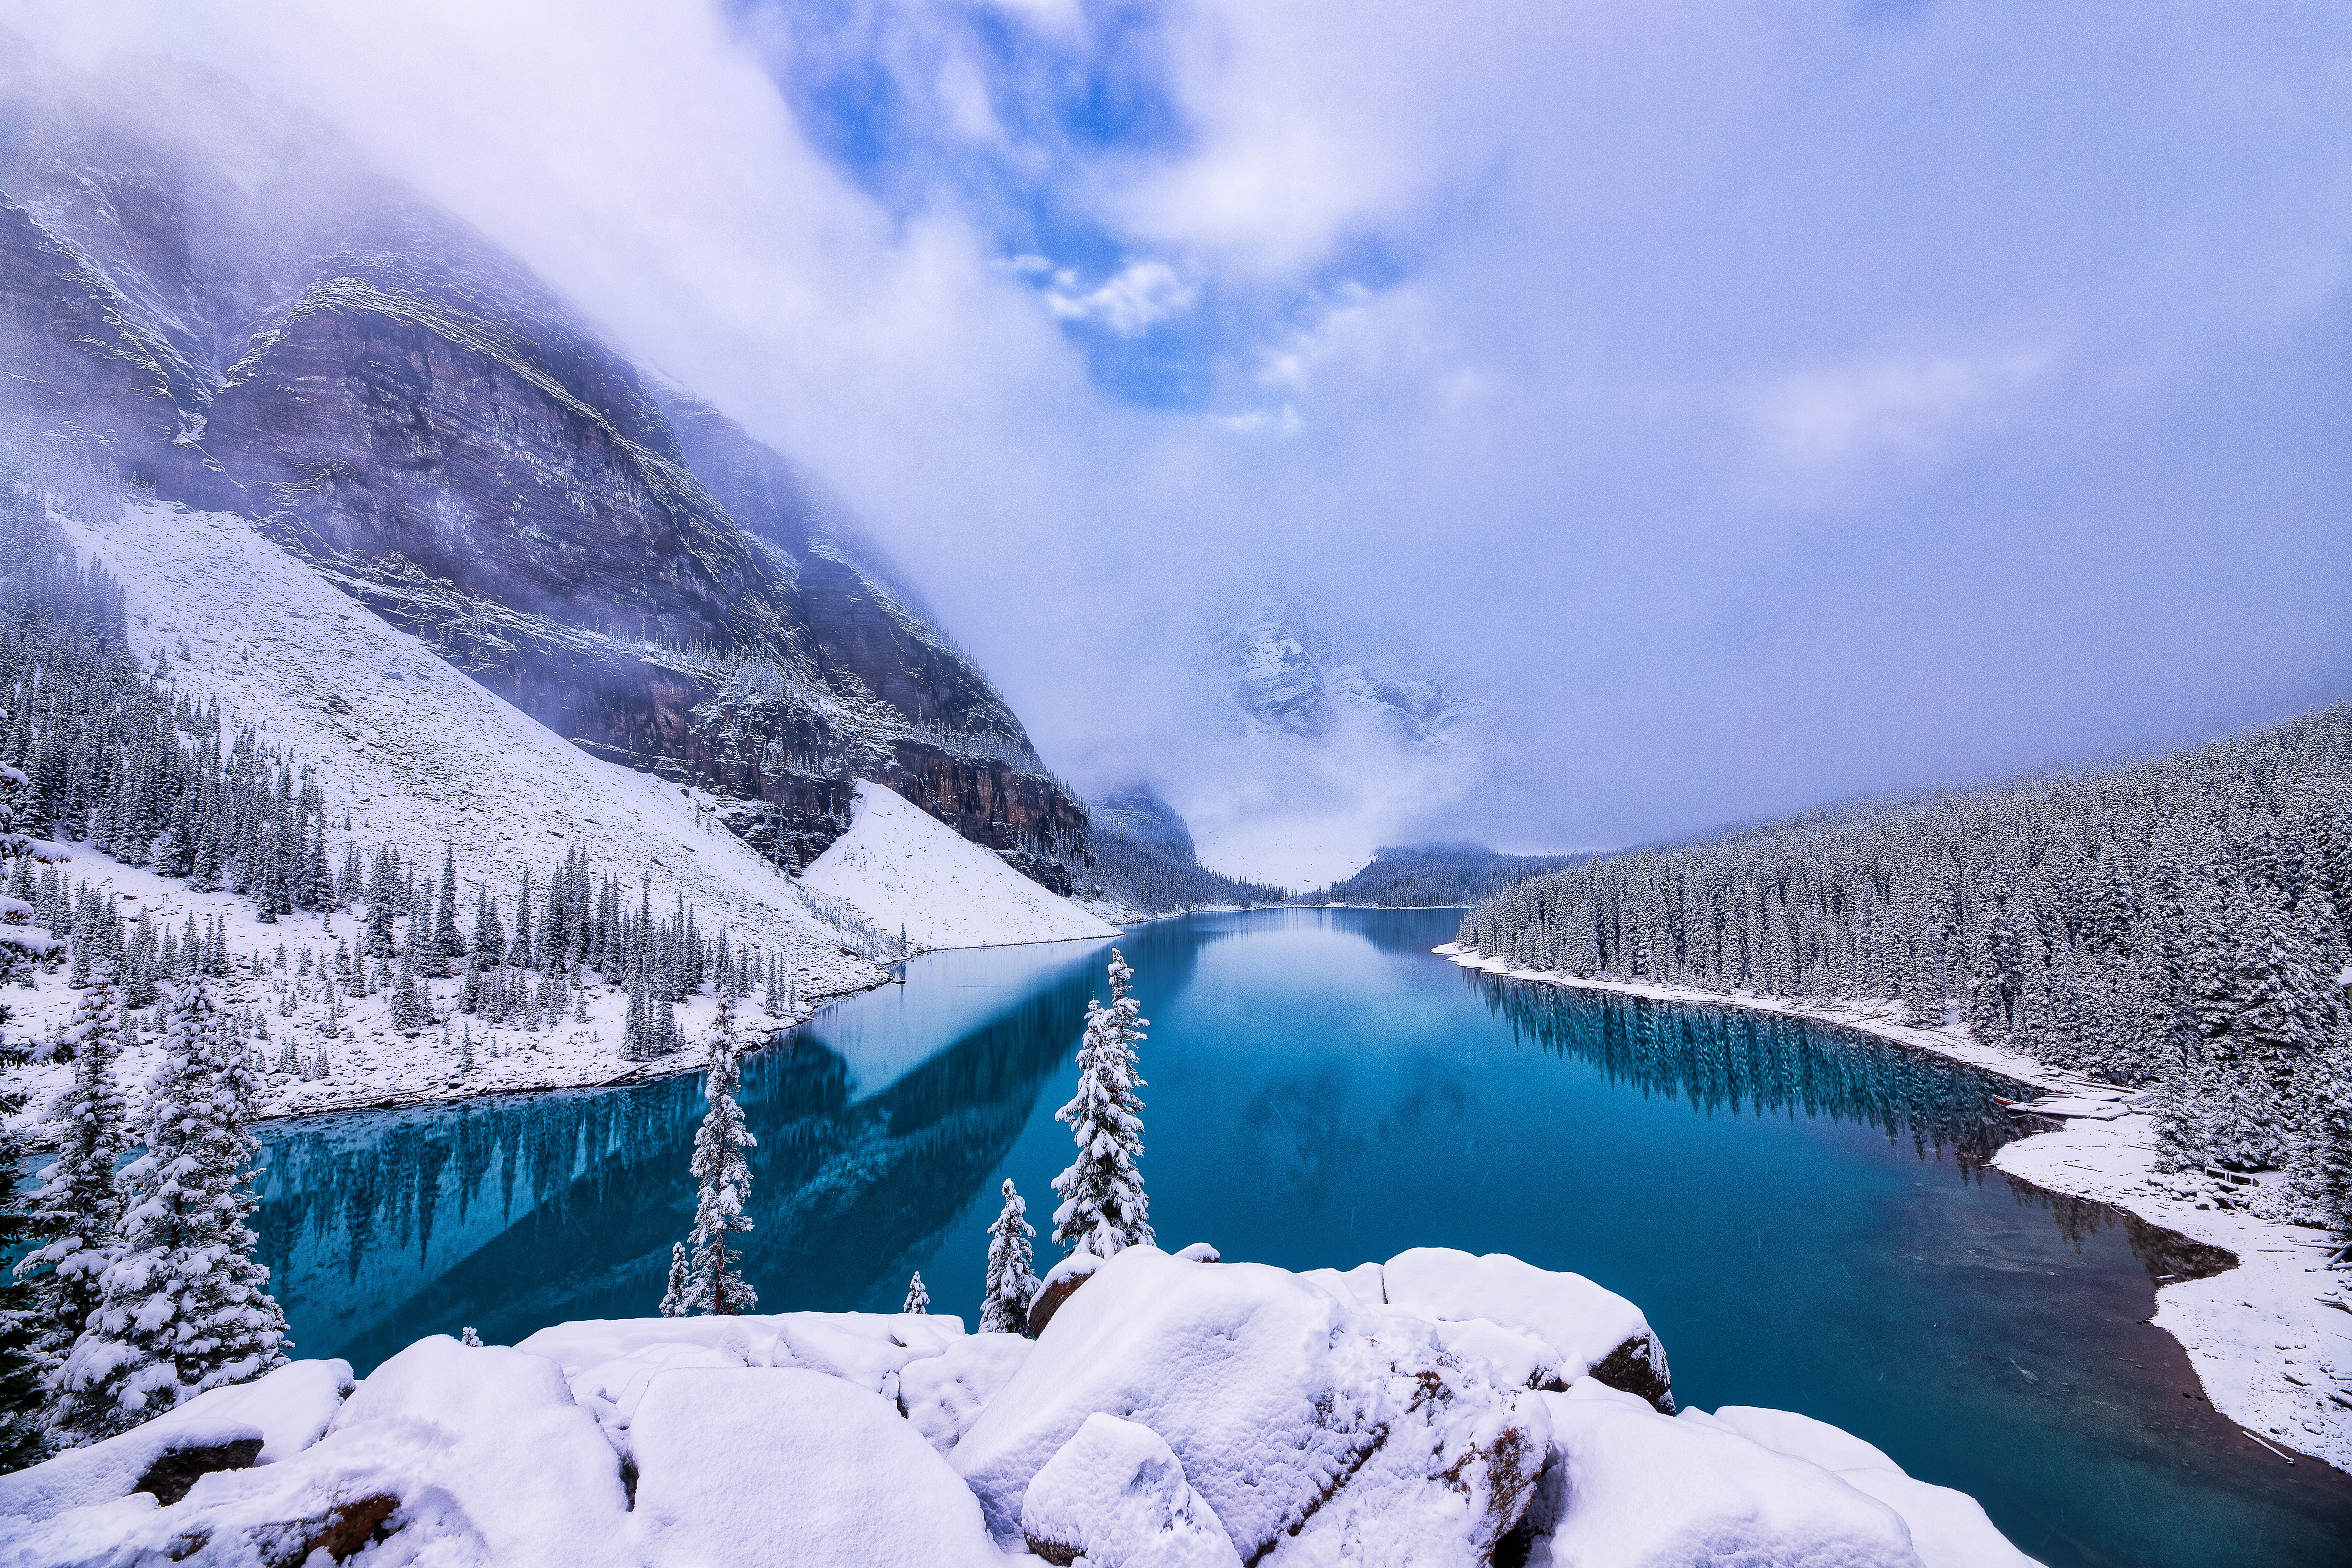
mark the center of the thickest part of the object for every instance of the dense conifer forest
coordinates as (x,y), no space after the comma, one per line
(1431,875)
(1148,878)
(2178,924)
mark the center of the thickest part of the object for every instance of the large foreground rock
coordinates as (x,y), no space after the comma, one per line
(1174,1414)
(1316,1430)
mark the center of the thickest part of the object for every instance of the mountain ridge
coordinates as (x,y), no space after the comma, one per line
(226,299)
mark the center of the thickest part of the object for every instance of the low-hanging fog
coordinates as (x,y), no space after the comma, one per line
(1748,404)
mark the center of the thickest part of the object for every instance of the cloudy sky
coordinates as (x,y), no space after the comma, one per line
(1753,404)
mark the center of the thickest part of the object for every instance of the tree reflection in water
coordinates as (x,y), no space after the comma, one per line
(512,1212)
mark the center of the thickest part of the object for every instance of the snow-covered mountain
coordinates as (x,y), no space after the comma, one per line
(225,298)
(1309,757)
(1283,676)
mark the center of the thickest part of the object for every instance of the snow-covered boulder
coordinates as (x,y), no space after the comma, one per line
(904,869)
(1313,1428)
(610,1362)
(469,1454)
(1629,1488)
(779,1467)
(943,1394)
(1116,1494)
(1173,1414)
(1596,1333)
(271,1418)
(1948,1529)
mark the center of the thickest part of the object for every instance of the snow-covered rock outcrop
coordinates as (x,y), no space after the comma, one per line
(1174,1414)
(904,869)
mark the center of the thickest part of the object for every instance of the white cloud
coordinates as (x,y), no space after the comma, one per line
(1282,421)
(1624,255)
(1141,294)
(1834,418)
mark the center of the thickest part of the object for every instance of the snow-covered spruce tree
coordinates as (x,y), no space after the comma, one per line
(21,1397)
(447,944)
(79,1208)
(714,1275)
(918,1299)
(1103,1209)
(673,1299)
(1012,1283)
(183,1307)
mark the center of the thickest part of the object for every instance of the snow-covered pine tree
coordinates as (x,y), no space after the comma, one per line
(714,1281)
(1012,1281)
(489,944)
(673,1301)
(446,943)
(21,1397)
(918,1299)
(411,1011)
(1103,1208)
(183,1307)
(79,1208)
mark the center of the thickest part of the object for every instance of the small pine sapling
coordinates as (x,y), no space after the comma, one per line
(1012,1283)
(918,1299)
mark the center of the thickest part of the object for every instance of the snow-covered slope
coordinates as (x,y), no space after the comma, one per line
(903,870)
(418,754)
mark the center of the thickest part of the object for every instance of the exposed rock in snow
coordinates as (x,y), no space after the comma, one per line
(1056,1285)
(1116,1494)
(1175,1414)
(903,870)
(273,1418)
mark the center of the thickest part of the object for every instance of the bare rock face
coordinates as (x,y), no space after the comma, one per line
(247,318)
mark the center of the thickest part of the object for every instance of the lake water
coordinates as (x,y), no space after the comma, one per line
(1805,1216)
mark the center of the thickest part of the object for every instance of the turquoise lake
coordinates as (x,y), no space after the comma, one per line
(1805,1216)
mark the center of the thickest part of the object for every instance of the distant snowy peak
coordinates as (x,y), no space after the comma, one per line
(1284,675)
(904,870)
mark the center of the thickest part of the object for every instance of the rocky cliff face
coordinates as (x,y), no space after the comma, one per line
(250,320)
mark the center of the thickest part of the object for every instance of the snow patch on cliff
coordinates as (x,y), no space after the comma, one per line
(904,870)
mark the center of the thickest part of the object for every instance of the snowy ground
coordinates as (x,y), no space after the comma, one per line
(904,870)
(2271,1338)
(422,756)
(1176,1412)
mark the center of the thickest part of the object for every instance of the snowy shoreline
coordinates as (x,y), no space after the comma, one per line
(2272,1355)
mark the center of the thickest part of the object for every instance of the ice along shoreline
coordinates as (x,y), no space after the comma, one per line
(2271,1338)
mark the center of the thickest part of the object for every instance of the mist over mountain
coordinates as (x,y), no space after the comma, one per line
(1303,755)
(222,299)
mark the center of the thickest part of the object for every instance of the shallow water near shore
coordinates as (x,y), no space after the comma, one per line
(1804,1215)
